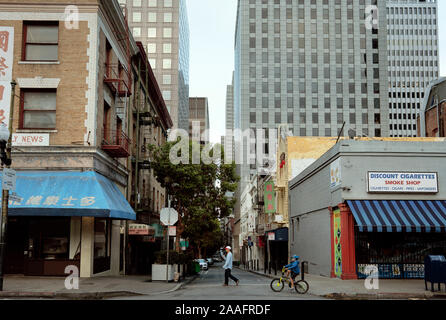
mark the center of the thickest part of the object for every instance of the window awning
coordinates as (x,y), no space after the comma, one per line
(66,193)
(399,216)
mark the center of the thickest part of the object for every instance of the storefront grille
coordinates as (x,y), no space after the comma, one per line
(397,255)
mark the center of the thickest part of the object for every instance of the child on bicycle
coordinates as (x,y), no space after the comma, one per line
(293,269)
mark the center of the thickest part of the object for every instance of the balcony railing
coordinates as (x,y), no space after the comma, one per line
(116,143)
(118,79)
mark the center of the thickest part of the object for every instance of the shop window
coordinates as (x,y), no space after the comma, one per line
(102,245)
(40,41)
(38,109)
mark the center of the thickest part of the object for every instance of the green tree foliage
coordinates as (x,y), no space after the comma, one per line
(199,192)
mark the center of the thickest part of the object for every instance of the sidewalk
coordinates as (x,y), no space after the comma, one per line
(335,288)
(89,288)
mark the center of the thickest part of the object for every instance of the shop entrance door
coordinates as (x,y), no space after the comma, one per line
(16,239)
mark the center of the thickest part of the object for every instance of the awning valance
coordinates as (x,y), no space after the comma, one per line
(399,215)
(66,193)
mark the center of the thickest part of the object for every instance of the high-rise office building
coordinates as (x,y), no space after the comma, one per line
(413,60)
(199,119)
(163,27)
(229,122)
(313,64)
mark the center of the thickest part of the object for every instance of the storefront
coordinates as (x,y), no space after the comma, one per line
(276,249)
(65,218)
(371,205)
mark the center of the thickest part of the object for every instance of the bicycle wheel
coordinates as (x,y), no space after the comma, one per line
(301,286)
(277,285)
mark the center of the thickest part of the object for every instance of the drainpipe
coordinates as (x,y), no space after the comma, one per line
(137,136)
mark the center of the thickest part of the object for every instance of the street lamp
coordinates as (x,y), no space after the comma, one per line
(5,157)
(4,138)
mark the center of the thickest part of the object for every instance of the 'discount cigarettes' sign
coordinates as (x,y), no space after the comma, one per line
(403,182)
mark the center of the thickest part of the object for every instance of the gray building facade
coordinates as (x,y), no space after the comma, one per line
(311,64)
(313,200)
(163,28)
(412,28)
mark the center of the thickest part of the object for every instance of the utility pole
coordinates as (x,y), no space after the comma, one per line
(5,193)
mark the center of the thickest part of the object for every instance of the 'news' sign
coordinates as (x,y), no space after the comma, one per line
(402,182)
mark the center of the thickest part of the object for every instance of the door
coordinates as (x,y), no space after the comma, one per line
(16,239)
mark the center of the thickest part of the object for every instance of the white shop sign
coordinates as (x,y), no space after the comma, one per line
(30,139)
(402,182)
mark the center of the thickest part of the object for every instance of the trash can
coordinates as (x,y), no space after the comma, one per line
(197,267)
(434,271)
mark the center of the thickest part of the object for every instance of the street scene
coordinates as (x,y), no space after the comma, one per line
(246,150)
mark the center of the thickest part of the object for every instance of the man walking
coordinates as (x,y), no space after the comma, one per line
(228,266)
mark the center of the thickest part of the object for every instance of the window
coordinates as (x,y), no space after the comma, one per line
(168,17)
(166,95)
(167,48)
(136,32)
(38,109)
(137,3)
(102,245)
(136,16)
(152,17)
(41,41)
(151,32)
(152,63)
(167,63)
(167,3)
(151,48)
(152,3)
(167,32)
(167,79)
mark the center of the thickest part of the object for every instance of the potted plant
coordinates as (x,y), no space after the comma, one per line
(159,268)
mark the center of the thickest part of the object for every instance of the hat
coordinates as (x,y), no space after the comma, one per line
(296,257)
(228,247)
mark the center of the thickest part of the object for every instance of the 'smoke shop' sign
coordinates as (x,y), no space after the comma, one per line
(402,182)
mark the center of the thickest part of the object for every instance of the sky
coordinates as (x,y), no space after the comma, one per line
(212,27)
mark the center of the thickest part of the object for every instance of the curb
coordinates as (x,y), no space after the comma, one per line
(367,296)
(88,295)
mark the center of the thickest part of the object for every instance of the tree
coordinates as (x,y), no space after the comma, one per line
(199,191)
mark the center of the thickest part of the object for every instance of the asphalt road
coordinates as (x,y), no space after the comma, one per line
(209,286)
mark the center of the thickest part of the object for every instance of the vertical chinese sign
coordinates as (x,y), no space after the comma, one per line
(270,200)
(6,63)
(337,242)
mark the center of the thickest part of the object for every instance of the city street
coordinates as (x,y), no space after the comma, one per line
(208,286)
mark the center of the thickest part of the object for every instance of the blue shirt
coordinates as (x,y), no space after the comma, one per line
(294,266)
(228,263)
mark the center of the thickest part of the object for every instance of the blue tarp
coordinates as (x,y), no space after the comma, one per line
(66,193)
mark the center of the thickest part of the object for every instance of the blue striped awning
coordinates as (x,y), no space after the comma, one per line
(399,216)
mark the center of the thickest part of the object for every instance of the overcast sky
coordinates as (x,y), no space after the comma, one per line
(212,25)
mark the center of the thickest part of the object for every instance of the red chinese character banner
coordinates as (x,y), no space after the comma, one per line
(6,63)
(269,198)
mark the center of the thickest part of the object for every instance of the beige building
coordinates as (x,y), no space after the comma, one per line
(78,91)
(163,28)
(199,119)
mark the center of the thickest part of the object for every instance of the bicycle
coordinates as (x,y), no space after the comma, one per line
(301,286)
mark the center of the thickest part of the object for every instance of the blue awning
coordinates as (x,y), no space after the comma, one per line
(86,194)
(399,216)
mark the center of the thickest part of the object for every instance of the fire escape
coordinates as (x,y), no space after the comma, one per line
(119,79)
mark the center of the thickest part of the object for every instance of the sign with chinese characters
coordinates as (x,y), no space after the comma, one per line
(335,173)
(54,201)
(6,64)
(402,182)
(30,139)
(269,198)
(141,229)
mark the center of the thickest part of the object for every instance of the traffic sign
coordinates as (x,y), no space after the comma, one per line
(14,197)
(168,216)
(8,179)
